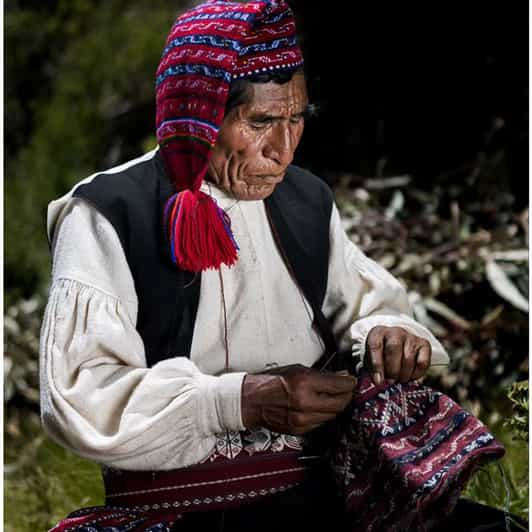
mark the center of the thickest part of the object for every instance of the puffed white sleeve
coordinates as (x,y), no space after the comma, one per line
(98,397)
(361,294)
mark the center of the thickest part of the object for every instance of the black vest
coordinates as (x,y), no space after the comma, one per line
(133,200)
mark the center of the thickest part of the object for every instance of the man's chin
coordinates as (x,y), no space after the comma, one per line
(265,181)
(256,193)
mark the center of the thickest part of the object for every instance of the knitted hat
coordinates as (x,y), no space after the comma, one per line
(208,47)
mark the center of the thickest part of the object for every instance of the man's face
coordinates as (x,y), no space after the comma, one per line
(258,139)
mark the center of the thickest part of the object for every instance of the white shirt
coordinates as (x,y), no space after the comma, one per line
(100,399)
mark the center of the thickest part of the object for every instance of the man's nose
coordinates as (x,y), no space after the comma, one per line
(281,144)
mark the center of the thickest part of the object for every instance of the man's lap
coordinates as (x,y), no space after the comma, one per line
(305,507)
(311,507)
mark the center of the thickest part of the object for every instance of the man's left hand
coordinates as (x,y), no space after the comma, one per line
(394,354)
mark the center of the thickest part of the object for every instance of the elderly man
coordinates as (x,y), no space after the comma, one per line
(202,293)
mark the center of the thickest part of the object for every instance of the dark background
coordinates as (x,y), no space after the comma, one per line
(421,88)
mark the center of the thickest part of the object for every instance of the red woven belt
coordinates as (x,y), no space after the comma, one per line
(209,486)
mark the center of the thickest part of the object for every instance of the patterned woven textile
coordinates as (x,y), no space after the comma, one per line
(222,484)
(110,519)
(402,455)
(242,468)
(405,453)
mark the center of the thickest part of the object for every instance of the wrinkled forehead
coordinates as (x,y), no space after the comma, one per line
(280,99)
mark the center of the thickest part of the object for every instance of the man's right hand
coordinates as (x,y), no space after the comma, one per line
(294,399)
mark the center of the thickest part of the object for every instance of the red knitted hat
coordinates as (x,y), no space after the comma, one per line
(208,47)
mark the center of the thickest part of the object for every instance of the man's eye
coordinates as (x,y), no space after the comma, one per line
(260,123)
(297,119)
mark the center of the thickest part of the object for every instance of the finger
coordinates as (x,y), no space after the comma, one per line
(304,421)
(324,403)
(423,360)
(410,350)
(375,351)
(393,356)
(332,384)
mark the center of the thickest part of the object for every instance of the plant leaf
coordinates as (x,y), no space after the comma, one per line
(448,313)
(513,255)
(501,283)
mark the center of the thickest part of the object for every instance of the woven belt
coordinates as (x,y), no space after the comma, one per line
(208,486)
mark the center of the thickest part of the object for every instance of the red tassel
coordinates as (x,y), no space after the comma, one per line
(199,232)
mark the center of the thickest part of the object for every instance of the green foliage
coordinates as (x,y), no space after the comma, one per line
(85,114)
(42,481)
(22,323)
(518,423)
(504,484)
